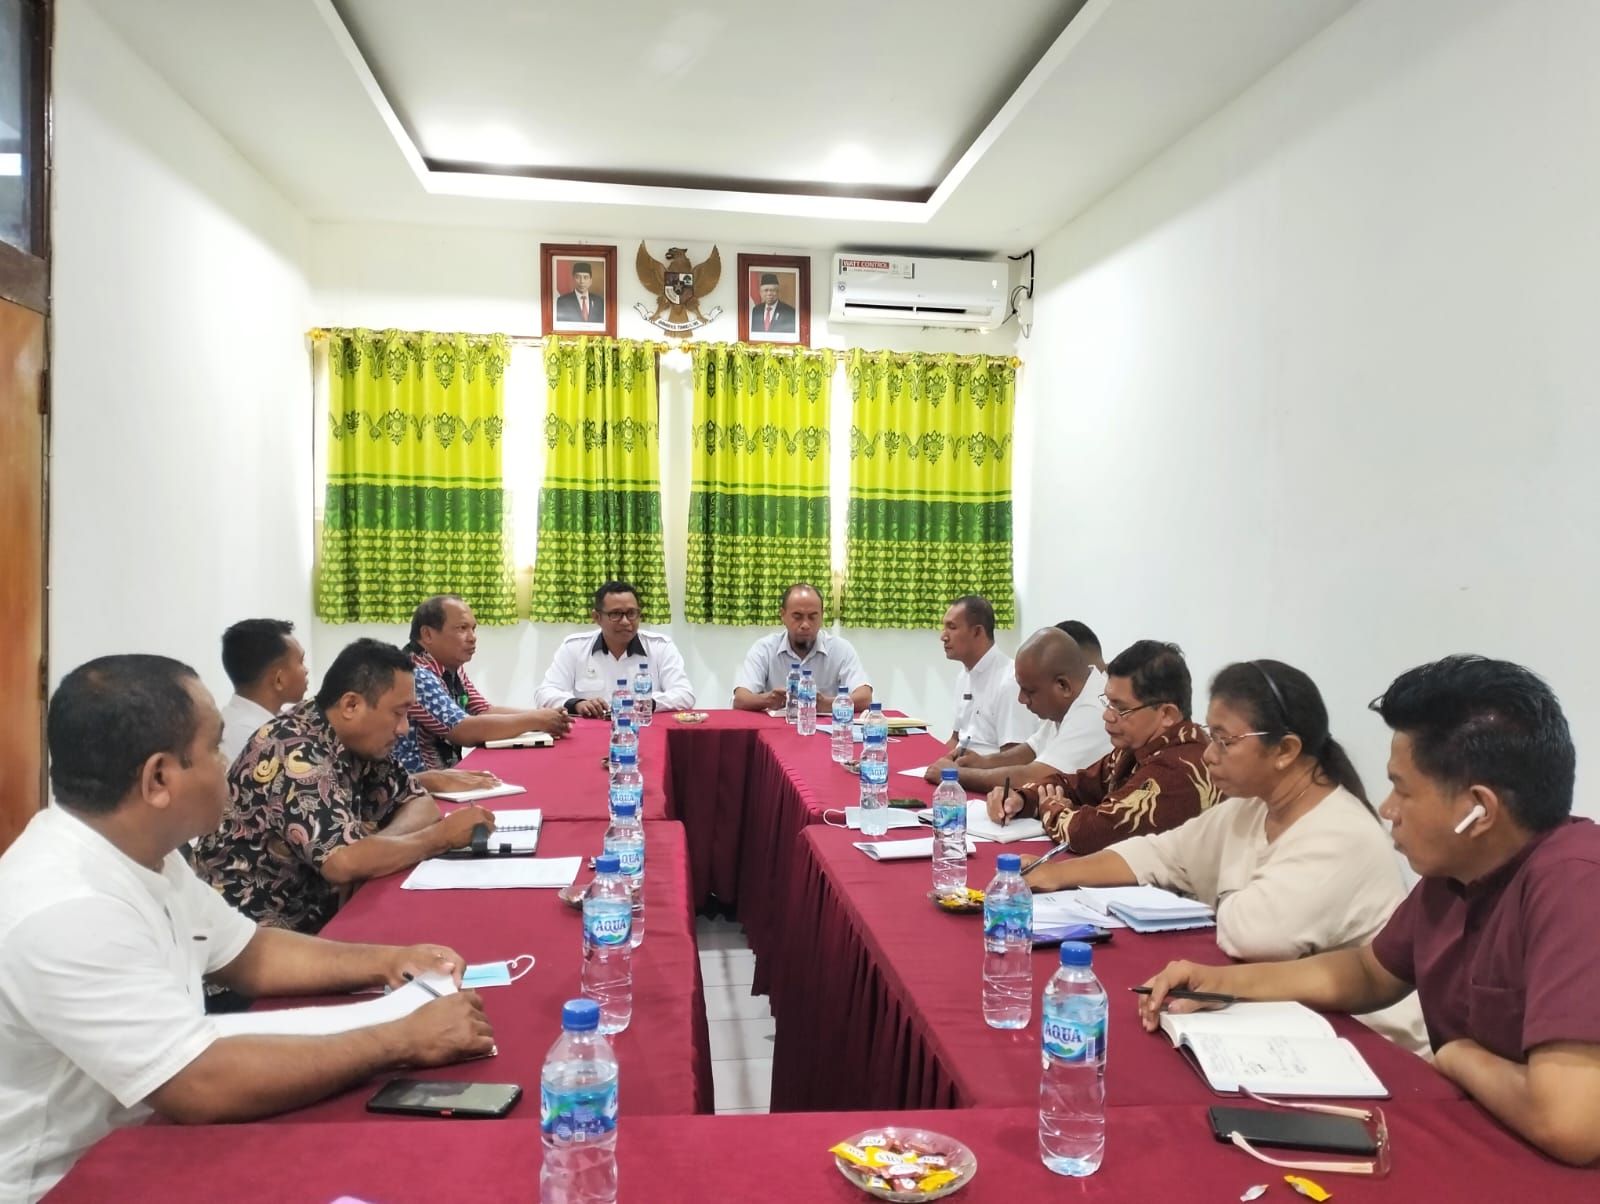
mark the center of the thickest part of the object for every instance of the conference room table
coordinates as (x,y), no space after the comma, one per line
(666,1048)
(876,993)
(1443,1150)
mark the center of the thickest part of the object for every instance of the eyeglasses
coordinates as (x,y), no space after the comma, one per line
(1108,705)
(1227,742)
(1373,1118)
(621,616)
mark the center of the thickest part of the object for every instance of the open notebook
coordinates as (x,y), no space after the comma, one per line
(1273,1049)
(981,827)
(515,834)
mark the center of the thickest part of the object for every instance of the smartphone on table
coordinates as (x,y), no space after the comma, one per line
(433,1097)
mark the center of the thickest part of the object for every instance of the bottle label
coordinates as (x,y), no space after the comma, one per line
(629,855)
(1068,1040)
(608,926)
(627,794)
(584,1115)
(1007,925)
(875,773)
(950,817)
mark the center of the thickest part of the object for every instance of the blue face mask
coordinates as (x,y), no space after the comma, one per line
(495,974)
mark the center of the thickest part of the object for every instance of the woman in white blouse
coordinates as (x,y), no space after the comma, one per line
(1294,859)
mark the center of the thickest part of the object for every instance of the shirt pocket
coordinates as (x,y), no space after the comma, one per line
(1494,1019)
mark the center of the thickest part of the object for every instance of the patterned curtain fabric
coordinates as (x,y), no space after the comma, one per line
(600,508)
(758,506)
(415,502)
(930,487)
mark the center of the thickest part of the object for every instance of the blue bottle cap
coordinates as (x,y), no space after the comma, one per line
(1010,863)
(622,683)
(1076,953)
(625,810)
(949,775)
(607,863)
(643,665)
(876,706)
(805,673)
(580,1015)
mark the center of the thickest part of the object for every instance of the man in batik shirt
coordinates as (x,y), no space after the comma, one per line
(316,805)
(1154,778)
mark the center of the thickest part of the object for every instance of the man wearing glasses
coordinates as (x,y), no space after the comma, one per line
(1497,939)
(588,664)
(1154,778)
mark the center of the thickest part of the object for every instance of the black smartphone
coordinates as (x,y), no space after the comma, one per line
(915,803)
(1294,1130)
(1086,933)
(430,1097)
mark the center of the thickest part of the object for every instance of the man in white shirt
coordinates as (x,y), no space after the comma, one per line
(267,667)
(105,936)
(989,715)
(1058,684)
(762,684)
(588,664)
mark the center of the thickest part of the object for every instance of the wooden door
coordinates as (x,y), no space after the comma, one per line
(22,567)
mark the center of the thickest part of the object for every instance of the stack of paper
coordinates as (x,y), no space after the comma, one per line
(493,874)
(1148,908)
(477,796)
(904,850)
(524,740)
(1061,909)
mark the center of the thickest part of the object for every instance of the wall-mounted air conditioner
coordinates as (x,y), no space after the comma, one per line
(917,290)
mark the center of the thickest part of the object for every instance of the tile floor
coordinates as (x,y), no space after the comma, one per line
(740,1023)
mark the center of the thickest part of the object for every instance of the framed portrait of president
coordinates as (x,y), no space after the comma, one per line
(775,299)
(577,287)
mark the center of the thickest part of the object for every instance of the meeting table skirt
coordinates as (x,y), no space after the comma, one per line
(1442,1151)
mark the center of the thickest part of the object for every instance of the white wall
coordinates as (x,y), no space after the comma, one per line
(180,475)
(1324,371)
(424,278)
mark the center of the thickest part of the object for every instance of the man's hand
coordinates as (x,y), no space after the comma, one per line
(552,720)
(775,699)
(458,779)
(1187,975)
(446,1030)
(413,960)
(456,828)
(592,708)
(934,771)
(1004,806)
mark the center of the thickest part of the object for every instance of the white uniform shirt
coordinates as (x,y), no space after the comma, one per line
(1080,738)
(989,715)
(100,994)
(241,719)
(584,668)
(831,659)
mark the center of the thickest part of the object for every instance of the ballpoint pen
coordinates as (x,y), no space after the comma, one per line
(409,977)
(1194,996)
(1005,793)
(1054,852)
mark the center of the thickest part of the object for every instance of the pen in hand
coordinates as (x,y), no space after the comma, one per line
(410,977)
(1005,793)
(1192,996)
(1056,851)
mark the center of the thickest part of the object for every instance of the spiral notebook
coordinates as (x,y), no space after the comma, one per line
(1273,1049)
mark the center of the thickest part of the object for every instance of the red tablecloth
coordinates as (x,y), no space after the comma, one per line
(891,987)
(705,769)
(569,780)
(1442,1151)
(665,1052)
(793,782)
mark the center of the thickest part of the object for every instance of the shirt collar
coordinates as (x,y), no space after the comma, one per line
(988,663)
(635,646)
(86,838)
(1497,879)
(1183,733)
(249,706)
(314,724)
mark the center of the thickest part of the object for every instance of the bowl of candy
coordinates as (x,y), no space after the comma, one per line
(964,902)
(852,767)
(691,716)
(905,1165)
(573,893)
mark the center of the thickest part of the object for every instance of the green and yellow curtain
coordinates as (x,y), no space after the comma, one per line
(930,487)
(758,504)
(600,508)
(415,499)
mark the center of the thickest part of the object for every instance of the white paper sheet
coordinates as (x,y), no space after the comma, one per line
(335,1018)
(913,773)
(493,873)
(477,796)
(903,850)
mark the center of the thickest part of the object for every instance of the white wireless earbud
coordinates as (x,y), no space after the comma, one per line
(1471,818)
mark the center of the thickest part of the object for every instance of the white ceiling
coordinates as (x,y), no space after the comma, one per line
(988,124)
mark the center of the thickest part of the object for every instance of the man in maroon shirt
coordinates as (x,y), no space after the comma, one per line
(1497,937)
